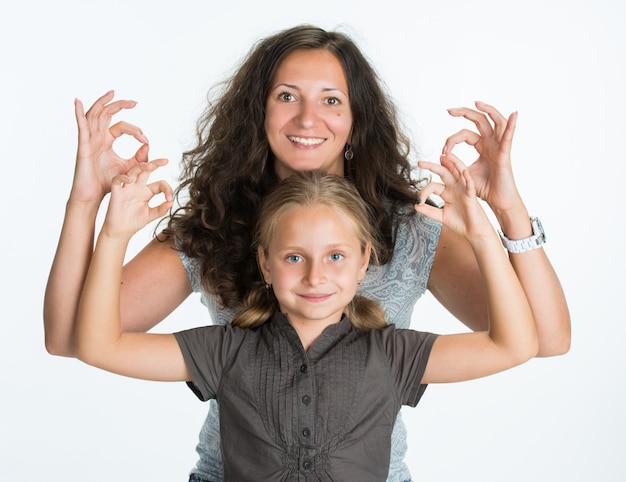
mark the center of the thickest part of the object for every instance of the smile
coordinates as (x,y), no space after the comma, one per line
(316,297)
(306,141)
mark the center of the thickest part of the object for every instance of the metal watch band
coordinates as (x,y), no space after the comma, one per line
(535,241)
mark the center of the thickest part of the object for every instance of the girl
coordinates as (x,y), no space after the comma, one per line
(309,377)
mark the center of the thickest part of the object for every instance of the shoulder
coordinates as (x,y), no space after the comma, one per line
(407,349)
(400,341)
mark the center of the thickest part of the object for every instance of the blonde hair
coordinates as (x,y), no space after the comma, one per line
(308,190)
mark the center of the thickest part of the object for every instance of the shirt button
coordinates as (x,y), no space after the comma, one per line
(307,465)
(306,399)
(306,432)
(303,368)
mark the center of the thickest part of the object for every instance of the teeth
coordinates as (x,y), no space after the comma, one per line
(307,141)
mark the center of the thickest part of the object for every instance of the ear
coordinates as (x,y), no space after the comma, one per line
(365,261)
(264,265)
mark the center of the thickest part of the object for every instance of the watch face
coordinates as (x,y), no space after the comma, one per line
(538,229)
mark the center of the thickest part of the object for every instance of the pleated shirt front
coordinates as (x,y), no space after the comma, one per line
(325,414)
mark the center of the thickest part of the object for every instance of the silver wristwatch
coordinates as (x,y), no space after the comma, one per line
(527,244)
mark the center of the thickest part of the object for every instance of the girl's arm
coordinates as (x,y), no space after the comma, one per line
(99,337)
(455,276)
(96,164)
(512,337)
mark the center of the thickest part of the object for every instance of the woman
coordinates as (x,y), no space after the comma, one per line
(303,99)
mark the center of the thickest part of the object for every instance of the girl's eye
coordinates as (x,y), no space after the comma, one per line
(336,257)
(294,258)
(333,101)
(286,97)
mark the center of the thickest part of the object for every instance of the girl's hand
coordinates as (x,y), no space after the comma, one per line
(129,207)
(462,212)
(96,161)
(491,171)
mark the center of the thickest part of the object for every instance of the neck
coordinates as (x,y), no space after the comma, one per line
(310,330)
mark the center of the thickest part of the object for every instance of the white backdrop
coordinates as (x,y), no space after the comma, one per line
(559,63)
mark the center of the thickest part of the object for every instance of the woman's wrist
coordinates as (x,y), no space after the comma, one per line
(82,209)
(514,222)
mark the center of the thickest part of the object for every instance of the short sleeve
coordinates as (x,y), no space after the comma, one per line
(408,352)
(191,266)
(206,351)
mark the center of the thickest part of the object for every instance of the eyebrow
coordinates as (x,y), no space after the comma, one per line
(295,87)
(328,247)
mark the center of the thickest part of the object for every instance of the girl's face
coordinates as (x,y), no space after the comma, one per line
(314,263)
(307,116)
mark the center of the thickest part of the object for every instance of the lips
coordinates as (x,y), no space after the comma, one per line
(315,297)
(306,141)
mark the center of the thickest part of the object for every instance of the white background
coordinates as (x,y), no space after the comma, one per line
(559,63)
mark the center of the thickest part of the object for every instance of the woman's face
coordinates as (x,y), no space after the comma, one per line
(308,118)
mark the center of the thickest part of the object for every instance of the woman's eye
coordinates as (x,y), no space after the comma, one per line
(336,257)
(294,258)
(286,97)
(333,101)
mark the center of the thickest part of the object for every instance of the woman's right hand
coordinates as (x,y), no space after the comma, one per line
(96,161)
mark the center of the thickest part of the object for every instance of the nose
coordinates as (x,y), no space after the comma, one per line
(315,273)
(307,116)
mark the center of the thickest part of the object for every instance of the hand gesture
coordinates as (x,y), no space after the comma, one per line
(491,171)
(96,161)
(461,212)
(129,207)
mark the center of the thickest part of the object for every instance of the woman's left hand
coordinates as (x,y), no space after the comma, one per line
(491,171)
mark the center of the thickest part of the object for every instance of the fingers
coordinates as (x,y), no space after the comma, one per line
(123,127)
(501,125)
(507,135)
(499,121)
(463,136)
(104,106)
(103,100)
(81,121)
(426,209)
(452,171)
(479,119)
(143,170)
(140,171)
(133,198)
(449,170)
(100,113)
(162,187)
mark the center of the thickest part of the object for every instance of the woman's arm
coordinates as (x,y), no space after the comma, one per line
(455,277)
(96,164)
(100,340)
(512,337)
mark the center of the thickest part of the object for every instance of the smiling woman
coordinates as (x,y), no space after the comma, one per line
(308,119)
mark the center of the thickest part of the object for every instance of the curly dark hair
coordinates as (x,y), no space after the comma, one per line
(228,173)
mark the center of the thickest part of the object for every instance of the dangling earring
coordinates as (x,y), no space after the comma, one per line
(267,286)
(348,153)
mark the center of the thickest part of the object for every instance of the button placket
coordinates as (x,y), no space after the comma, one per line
(306,409)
